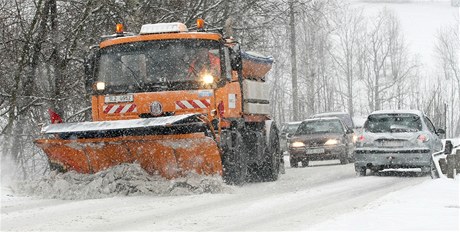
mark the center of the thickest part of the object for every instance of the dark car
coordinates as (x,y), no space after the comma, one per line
(321,139)
(396,139)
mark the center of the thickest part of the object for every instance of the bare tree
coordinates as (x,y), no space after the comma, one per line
(292,42)
(349,30)
(316,79)
(388,62)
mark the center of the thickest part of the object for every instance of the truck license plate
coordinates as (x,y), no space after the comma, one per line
(315,151)
(119,98)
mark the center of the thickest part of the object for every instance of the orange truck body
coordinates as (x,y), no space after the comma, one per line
(170,154)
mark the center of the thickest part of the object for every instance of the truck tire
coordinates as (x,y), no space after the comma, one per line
(270,168)
(234,161)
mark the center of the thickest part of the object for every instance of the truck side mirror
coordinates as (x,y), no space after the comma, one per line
(235,58)
(89,65)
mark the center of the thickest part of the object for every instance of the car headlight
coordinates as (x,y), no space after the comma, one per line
(332,142)
(355,138)
(297,144)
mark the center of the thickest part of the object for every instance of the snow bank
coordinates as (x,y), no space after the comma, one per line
(433,205)
(124,179)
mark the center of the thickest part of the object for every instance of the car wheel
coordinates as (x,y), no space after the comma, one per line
(305,163)
(344,159)
(294,162)
(375,170)
(360,171)
(351,159)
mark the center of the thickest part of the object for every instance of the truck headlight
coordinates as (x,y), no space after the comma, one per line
(332,142)
(100,85)
(208,79)
(297,144)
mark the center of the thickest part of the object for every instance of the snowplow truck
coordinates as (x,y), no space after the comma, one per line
(174,101)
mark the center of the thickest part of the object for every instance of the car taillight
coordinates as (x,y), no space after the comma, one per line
(361,138)
(422,138)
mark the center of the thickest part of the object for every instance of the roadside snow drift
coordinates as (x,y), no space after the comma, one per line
(124,179)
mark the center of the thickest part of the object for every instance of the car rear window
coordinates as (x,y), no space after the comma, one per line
(392,123)
(320,126)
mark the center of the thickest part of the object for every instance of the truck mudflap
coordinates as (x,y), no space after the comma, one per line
(170,146)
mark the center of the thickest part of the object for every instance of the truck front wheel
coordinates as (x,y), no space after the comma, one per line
(234,160)
(271,164)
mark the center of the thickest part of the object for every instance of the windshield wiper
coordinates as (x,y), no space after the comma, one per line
(155,86)
(134,76)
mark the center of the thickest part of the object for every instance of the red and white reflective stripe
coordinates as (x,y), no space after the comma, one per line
(119,109)
(193,104)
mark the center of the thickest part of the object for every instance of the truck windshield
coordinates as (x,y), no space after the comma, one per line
(158,64)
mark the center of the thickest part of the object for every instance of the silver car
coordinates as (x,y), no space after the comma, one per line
(396,139)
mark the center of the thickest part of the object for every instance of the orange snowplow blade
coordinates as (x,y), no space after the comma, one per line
(168,155)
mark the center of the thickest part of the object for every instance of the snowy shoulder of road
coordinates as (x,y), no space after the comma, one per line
(431,205)
(422,205)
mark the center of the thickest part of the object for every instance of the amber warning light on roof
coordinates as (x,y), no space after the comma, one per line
(200,23)
(119,28)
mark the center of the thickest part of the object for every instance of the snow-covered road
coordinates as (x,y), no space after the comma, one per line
(299,200)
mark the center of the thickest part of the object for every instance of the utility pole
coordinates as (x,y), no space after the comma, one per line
(295,97)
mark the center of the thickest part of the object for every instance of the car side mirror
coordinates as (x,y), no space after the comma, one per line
(448,147)
(440,131)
